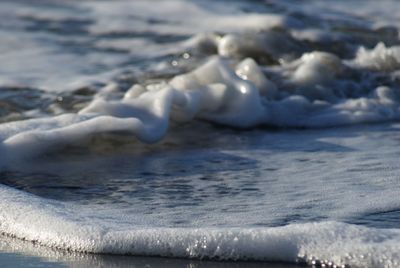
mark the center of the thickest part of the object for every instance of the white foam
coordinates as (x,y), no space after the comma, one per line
(269,45)
(381,58)
(219,91)
(228,89)
(317,68)
(64,226)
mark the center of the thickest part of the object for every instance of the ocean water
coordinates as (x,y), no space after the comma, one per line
(190,133)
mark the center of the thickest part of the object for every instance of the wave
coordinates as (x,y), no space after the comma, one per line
(219,91)
(252,70)
(68,227)
(256,70)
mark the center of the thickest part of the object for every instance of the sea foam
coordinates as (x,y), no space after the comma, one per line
(249,70)
(64,226)
(220,91)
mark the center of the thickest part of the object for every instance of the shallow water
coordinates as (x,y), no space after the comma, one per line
(242,175)
(249,131)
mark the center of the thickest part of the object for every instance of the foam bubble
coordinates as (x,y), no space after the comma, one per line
(317,68)
(270,46)
(381,58)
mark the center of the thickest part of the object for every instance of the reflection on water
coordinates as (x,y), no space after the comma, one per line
(17,253)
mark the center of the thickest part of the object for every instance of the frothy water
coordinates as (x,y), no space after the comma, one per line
(248,131)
